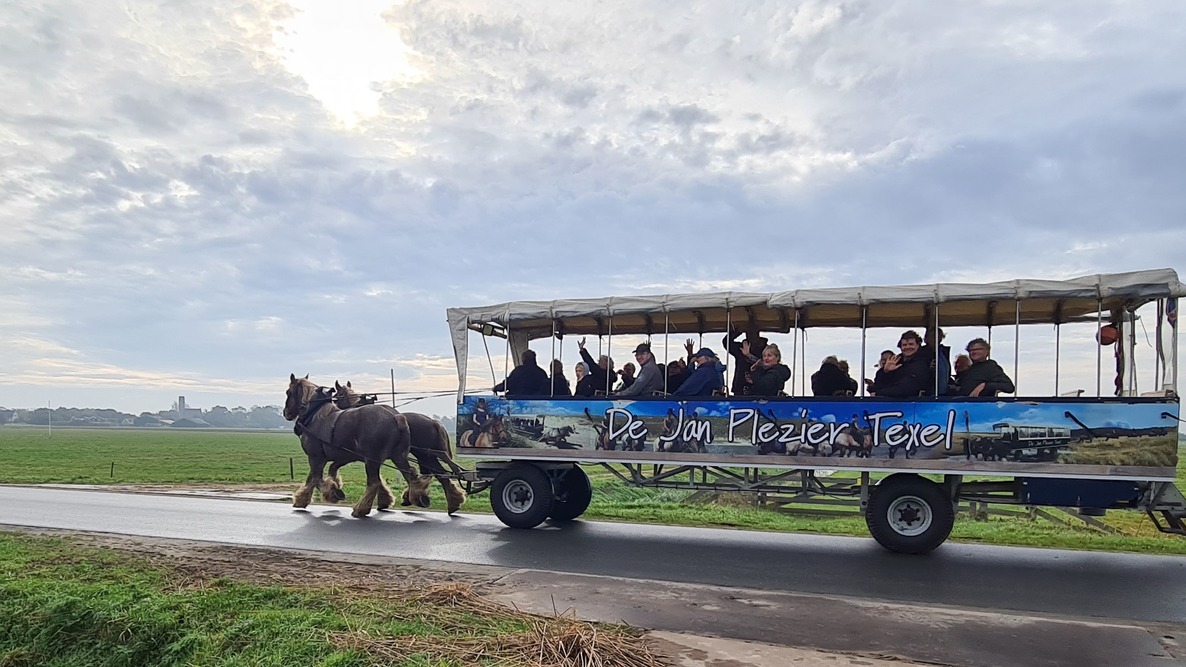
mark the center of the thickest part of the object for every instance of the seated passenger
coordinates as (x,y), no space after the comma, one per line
(829,380)
(747,354)
(904,375)
(527,379)
(984,377)
(938,357)
(962,362)
(585,386)
(769,375)
(675,375)
(886,355)
(707,378)
(602,370)
(650,378)
(627,375)
(560,386)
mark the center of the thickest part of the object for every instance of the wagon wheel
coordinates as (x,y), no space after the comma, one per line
(573,494)
(909,514)
(521,496)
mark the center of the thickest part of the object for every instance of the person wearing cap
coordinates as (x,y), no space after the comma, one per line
(707,378)
(650,375)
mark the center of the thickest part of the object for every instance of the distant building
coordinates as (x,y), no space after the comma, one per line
(183,412)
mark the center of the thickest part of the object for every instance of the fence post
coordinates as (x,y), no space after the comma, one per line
(291,474)
(113,469)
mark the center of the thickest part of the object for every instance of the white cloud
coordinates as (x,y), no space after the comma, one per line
(220,194)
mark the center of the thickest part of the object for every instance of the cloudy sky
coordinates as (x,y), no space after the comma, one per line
(200,198)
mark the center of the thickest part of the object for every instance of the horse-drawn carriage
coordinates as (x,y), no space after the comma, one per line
(913,446)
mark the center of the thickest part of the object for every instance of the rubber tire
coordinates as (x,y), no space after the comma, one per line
(574,492)
(533,489)
(883,496)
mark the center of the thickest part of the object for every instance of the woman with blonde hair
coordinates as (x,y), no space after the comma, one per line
(769,374)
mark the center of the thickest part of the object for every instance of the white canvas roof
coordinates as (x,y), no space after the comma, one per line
(958,304)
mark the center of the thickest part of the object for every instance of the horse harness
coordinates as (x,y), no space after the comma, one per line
(322,429)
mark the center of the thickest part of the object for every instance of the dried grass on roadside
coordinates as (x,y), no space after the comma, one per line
(549,641)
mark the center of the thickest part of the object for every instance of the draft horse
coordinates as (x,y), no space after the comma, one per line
(371,434)
(429,445)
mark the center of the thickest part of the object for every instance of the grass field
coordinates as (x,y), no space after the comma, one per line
(203,457)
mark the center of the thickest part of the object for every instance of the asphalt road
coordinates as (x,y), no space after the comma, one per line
(1149,589)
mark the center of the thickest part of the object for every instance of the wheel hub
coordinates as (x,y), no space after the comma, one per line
(909,516)
(517,496)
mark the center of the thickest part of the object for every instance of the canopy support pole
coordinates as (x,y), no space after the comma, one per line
(795,351)
(864,363)
(1099,348)
(1057,354)
(552,371)
(666,333)
(729,333)
(1016,346)
(938,346)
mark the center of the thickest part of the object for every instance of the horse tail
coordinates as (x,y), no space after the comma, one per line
(446,453)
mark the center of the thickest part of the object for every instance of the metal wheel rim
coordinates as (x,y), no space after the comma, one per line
(909,516)
(517,496)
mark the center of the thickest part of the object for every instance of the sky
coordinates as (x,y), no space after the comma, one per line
(200,198)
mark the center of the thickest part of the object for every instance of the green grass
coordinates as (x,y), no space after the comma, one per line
(66,605)
(28,455)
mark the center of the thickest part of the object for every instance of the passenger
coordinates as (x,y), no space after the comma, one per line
(650,378)
(962,362)
(707,378)
(904,375)
(769,375)
(852,384)
(675,375)
(627,375)
(938,357)
(560,386)
(602,370)
(527,379)
(585,386)
(829,380)
(886,355)
(747,354)
(984,377)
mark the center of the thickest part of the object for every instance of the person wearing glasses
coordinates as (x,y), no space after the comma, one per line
(984,377)
(650,375)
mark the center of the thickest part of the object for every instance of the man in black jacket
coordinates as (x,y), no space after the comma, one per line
(528,379)
(905,375)
(984,377)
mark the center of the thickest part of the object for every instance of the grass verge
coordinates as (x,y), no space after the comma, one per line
(68,605)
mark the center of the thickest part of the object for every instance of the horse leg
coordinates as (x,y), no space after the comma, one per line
(331,488)
(304,495)
(417,484)
(385,498)
(374,481)
(454,496)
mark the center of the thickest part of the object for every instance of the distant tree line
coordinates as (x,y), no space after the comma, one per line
(257,416)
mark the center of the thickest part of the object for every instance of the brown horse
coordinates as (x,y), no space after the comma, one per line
(489,437)
(370,434)
(430,446)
